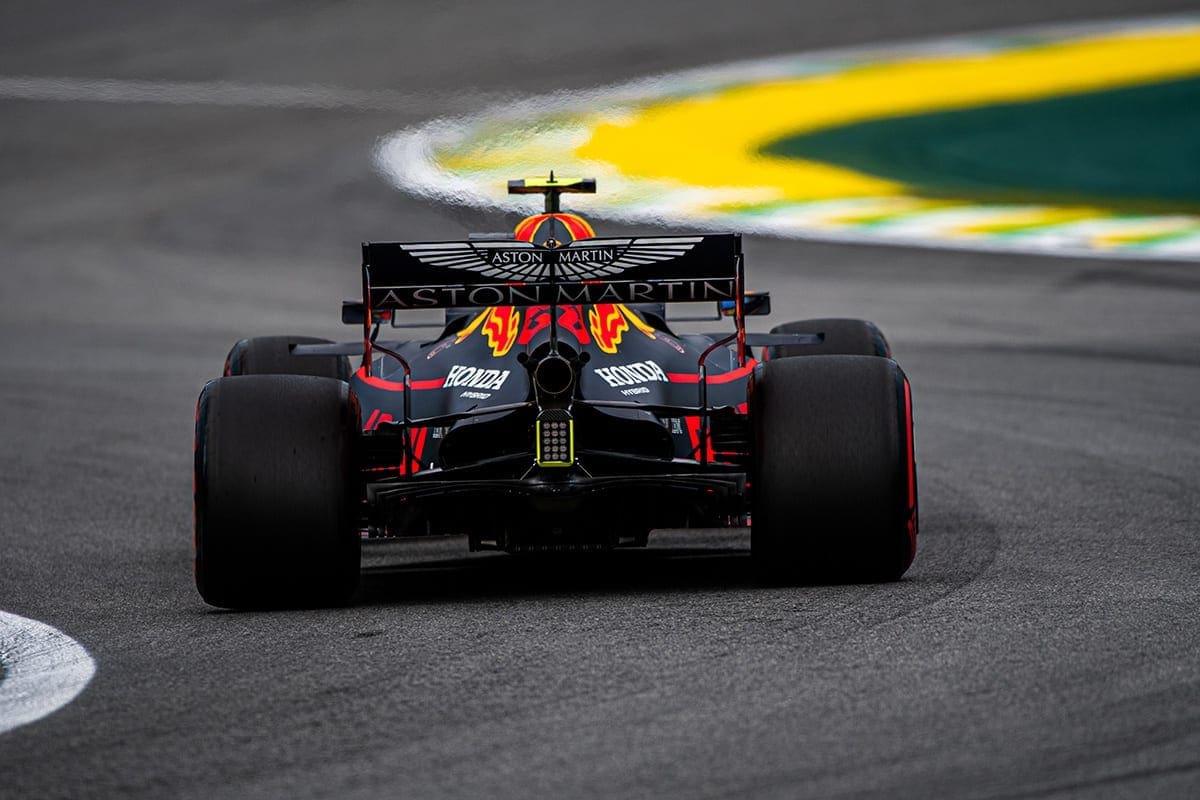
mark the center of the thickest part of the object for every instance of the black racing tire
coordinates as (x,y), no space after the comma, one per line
(271,355)
(277,492)
(843,337)
(833,477)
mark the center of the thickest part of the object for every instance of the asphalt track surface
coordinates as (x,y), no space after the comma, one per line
(1044,644)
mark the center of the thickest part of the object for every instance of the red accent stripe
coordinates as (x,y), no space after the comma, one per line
(723,377)
(527,226)
(693,432)
(397,386)
(577,226)
(694,425)
(419,446)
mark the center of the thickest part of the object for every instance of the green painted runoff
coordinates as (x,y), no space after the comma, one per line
(1127,149)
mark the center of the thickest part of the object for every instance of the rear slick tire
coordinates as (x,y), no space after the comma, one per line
(277,492)
(833,478)
(843,337)
(272,355)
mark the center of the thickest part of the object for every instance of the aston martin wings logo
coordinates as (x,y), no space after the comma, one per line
(589,259)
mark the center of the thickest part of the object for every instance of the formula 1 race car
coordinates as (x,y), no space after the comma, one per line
(557,409)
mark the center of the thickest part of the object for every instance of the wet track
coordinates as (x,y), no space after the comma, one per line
(1043,644)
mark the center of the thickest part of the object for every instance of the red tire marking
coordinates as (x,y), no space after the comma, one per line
(912,468)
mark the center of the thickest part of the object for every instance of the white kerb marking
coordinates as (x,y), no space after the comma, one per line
(43,670)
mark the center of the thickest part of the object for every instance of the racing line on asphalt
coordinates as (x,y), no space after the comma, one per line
(1040,647)
(228,94)
(41,668)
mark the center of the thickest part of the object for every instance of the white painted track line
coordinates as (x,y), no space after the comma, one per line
(43,670)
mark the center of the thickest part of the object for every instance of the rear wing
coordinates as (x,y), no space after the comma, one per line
(645,269)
